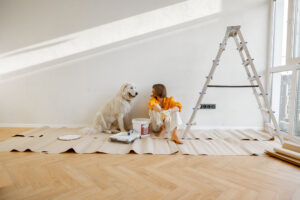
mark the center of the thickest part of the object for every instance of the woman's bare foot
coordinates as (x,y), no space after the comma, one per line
(175,137)
(161,132)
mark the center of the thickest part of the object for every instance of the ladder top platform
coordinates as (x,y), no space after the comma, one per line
(232,30)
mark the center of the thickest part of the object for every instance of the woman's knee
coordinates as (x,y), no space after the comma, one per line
(154,111)
(154,114)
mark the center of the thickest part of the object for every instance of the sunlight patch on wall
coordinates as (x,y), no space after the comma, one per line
(108,34)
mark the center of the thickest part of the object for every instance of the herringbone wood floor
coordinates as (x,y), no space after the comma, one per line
(27,175)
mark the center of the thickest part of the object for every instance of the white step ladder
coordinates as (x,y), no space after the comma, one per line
(253,77)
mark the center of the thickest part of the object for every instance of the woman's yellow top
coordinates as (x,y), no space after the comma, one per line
(167,103)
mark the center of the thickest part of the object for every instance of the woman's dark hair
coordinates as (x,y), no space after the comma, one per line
(159,90)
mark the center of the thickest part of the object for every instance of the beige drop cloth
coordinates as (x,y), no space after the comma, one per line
(199,142)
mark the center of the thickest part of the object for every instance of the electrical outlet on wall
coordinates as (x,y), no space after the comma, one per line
(208,106)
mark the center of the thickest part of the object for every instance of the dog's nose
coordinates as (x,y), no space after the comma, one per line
(136,93)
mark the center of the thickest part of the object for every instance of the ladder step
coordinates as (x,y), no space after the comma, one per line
(256,94)
(265,110)
(261,94)
(222,46)
(241,47)
(191,124)
(216,62)
(253,78)
(232,86)
(269,125)
(246,63)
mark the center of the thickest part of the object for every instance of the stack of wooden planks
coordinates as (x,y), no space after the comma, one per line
(290,152)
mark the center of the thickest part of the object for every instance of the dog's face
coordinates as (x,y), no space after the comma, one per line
(129,91)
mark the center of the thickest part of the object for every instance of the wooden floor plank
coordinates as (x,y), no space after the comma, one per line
(27,175)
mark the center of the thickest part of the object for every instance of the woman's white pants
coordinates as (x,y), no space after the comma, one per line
(172,120)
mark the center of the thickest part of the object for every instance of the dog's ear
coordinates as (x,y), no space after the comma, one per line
(124,86)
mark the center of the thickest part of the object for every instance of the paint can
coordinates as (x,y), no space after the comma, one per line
(141,126)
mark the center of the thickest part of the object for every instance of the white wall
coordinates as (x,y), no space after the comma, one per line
(69,93)
(27,22)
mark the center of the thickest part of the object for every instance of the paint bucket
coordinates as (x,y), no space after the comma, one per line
(141,126)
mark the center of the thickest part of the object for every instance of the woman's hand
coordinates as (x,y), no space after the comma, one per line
(157,108)
(174,109)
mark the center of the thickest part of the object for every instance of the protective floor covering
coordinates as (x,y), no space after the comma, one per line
(199,142)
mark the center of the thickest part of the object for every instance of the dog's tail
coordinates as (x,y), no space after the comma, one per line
(97,127)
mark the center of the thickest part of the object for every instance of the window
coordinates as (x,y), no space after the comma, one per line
(293,32)
(296,30)
(281,93)
(285,69)
(280,32)
(297,111)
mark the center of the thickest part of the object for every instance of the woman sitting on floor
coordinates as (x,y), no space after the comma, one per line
(164,113)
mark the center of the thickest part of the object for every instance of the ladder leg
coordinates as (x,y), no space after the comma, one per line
(215,63)
(249,76)
(266,102)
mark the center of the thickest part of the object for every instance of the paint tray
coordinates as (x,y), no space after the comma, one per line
(124,137)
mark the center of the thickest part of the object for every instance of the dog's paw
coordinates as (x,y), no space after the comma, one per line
(115,131)
(107,131)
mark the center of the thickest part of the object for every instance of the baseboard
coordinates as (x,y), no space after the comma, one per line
(295,139)
(86,125)
(19,125)
(227,127)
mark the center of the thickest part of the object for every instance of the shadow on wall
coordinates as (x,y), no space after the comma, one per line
(107,36)
(36,22)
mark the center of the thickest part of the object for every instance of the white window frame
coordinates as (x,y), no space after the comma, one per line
(290,37)
(293,64)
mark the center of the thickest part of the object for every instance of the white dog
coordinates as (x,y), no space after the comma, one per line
(111,117)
